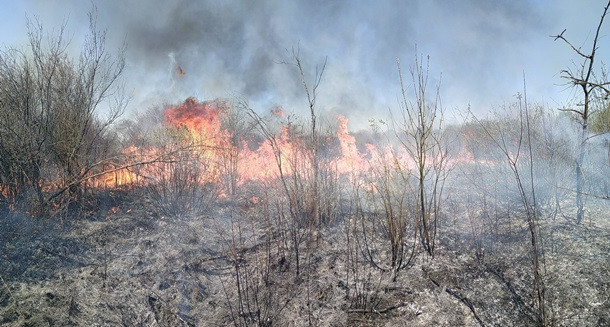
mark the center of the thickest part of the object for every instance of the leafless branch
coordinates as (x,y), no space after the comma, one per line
(379,311)
(571,110)
(467,303)
(85,175)
(577,50)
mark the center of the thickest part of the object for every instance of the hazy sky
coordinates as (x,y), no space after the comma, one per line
(229,48)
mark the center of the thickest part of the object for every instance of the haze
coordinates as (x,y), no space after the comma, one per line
(234,48)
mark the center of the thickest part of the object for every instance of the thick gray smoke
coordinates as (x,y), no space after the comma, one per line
(234,48)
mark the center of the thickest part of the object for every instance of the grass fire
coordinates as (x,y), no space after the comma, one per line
(283,188)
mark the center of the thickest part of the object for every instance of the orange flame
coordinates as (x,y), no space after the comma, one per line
(211,142)
(351,159)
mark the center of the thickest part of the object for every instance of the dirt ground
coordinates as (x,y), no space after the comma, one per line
(132,266)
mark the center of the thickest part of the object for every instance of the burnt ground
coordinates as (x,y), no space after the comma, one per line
(136,267)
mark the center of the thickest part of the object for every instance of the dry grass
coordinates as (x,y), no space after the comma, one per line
(136,267)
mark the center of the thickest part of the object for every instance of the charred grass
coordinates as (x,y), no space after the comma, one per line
(128,264)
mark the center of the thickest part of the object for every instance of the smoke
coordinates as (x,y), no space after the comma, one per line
(236,48)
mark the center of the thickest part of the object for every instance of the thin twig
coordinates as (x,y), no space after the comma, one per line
(467,303)
(6,286)
(380,311)
(603,197)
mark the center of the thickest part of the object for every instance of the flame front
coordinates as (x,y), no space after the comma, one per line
(201,119)
(211,142)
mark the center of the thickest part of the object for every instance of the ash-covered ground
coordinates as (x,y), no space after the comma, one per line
(128,265)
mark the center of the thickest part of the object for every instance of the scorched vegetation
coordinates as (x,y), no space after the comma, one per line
(215,213)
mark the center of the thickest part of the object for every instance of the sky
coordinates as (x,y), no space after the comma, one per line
(478,50)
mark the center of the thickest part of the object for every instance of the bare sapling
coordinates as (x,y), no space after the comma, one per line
(513,151)
(292,183)
(420,133)
(311,91)
(234,122)
(299,172)
(386,231)
(585,79)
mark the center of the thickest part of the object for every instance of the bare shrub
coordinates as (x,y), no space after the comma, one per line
(184,182)
(420,133)
(307,180)
(234,122)
(51,133)
(386,232)
(516,146)
(253,295)
(291,206)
